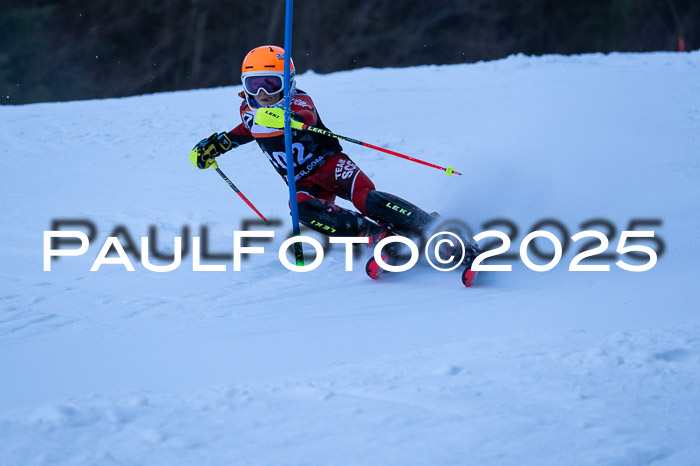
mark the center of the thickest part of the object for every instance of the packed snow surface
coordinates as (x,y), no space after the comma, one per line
(269,366)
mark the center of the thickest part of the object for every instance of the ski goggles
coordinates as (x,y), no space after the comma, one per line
(270,84)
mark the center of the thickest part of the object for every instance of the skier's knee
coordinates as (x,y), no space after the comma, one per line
(361,189)
(303,196)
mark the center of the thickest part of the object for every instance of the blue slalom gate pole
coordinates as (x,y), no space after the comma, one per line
(298,251)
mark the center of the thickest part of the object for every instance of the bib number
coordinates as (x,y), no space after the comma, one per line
(299,156)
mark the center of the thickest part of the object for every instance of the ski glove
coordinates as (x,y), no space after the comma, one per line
(204,153)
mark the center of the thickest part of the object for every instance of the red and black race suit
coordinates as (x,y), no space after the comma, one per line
(311,150)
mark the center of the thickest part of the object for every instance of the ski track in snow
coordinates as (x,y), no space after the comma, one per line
(267,366)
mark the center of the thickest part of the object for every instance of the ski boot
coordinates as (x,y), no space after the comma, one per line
(469,275)
(376,233)
(390,254)
(471,251)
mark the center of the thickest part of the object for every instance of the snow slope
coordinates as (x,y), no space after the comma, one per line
(268,366)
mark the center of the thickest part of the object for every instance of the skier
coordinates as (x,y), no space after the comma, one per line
(322,171)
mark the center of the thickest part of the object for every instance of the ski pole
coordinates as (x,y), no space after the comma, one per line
(274,118)
(233,186)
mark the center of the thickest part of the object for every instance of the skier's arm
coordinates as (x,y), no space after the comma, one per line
(305,116)
(239,135)
(304,110)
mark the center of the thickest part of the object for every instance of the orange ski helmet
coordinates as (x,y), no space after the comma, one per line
(263,71)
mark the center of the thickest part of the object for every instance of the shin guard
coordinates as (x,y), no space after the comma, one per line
(396,213)
(332,221)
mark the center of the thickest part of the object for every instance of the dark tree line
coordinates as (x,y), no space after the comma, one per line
(53,50)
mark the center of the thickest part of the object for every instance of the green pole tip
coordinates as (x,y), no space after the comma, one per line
(449,170)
